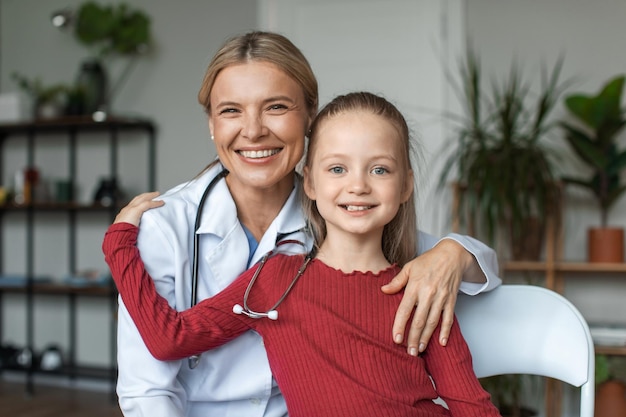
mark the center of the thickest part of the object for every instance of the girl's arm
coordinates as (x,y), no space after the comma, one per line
(167,333)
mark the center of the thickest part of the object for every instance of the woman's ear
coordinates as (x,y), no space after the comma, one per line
(309,189)
(210,125)
(408,186)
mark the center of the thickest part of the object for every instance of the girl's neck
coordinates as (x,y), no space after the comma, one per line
(258,207)
(357,253)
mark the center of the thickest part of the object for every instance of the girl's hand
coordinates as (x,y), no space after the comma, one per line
(134,210)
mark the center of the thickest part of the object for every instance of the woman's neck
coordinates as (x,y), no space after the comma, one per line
(258,207)
(353,253)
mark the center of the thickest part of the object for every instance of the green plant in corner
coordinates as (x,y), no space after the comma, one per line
(594,138)
(500,161)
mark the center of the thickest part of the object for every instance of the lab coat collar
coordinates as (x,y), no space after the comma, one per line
(221,222)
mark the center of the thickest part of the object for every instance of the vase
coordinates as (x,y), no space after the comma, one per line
(610,399)
(605,245)
(92,81)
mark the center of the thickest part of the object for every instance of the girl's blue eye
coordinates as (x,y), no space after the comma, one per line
(379,170)
(336,170)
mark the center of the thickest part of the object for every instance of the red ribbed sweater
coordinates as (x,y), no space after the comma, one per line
(331,349)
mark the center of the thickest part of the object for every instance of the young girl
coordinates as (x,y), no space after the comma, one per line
(328,345)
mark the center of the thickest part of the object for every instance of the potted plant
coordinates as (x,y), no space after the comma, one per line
(610,387)
(108,31)
(48,100)
(506,393)
(502,166)
(594,139)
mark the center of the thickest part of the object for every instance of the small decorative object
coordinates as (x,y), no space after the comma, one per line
(64,191)
(107,193)
(51,359)
(92,82)
(594,137)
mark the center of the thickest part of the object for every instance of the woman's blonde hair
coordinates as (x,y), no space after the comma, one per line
(399,241)
(266,47)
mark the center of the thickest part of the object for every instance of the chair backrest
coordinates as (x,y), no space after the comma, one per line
(525,329)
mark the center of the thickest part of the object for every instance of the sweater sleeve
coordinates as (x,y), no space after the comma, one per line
(167,333)
(454,378)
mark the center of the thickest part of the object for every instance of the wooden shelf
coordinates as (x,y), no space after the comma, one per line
(564,266)
(53,206)
(611,350)
(112,133)
(61,289)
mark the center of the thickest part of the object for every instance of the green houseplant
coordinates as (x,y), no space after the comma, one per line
(112,29)
(593,137)
(503,168)
(110,32)
(47,100)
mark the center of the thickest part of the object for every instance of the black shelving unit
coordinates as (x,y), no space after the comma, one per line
(75,128)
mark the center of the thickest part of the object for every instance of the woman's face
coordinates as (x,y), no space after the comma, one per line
(258,119)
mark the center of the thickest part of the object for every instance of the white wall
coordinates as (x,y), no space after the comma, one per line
(394,48)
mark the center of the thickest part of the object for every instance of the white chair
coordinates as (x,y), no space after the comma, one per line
(524,329)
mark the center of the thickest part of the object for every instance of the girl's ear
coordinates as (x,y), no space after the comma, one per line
(408,186)
(309,190)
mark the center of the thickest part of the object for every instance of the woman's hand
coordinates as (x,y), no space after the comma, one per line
(432,282)
(134,210)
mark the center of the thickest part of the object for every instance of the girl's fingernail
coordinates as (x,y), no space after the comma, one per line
(398,338)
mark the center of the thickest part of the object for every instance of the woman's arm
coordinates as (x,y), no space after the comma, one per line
(432,281)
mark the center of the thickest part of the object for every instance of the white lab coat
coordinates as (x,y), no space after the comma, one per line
(234,380)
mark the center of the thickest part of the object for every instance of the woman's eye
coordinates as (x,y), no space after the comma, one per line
(379,171)
(337,170)
(228,110)
(277,107)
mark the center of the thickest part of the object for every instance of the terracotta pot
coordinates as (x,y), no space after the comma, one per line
(605,245)
(610,399)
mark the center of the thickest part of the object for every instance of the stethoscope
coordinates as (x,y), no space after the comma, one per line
(272,313)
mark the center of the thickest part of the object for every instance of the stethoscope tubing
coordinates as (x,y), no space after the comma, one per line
(194,360)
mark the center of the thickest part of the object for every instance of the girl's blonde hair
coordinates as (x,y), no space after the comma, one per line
(399,240)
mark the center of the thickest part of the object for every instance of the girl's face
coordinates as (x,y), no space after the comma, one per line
(258,120)
(357,174)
